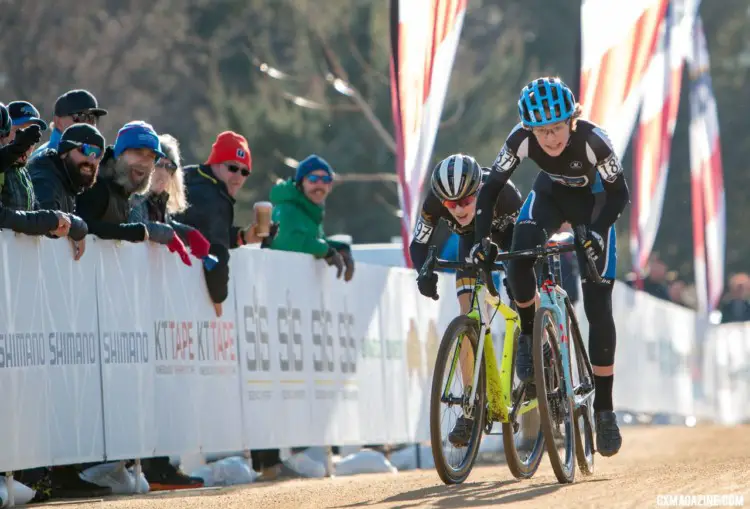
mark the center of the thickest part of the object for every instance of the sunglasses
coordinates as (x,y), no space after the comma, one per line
(166,164)
(90,150)
(326,179)
(84,118)
(463,202)
(234,169)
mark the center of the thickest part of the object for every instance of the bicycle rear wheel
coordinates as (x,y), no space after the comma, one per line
(556,408)
(447,370)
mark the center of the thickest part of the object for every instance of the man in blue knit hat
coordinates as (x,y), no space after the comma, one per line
(125,169)
(299,209)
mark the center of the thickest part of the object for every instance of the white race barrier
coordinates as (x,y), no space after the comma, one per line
(121,355)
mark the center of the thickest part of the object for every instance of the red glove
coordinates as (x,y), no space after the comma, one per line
(199,245)
(176,245)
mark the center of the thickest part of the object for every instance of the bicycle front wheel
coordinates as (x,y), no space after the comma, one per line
(556,409)
(449,400)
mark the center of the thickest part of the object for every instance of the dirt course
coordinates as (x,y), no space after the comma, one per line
(654,461)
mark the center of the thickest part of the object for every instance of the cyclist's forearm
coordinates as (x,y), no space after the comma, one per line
(618,197)
(418,253)
(486,203)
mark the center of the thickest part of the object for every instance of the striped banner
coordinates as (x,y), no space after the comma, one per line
(617,42)
(424,39)
(662,82)
(709,212)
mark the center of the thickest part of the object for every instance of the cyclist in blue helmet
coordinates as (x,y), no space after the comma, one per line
(580,182)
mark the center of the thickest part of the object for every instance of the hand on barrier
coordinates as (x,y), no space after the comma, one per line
(63,225)
(334,258)
(199,245)
(348,263)
(176,245)
(79,247)
(218,308)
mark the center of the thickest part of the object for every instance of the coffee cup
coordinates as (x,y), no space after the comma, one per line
(263,210)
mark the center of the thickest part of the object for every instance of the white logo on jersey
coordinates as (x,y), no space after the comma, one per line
(576,165)
(505,160)
(422,231)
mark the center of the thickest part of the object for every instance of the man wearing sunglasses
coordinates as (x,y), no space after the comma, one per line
(455,184)
(211,190)
(299,207)
(73,107)
(59,176)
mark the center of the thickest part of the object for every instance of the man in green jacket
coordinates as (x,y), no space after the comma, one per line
(299,207)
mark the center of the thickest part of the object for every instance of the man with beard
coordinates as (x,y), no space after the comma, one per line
(125,169)
(59,176)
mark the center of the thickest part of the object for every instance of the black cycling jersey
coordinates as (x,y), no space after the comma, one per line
(507,205)
(587,163)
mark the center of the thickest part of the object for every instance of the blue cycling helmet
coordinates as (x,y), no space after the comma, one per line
(5,121)
(545,101)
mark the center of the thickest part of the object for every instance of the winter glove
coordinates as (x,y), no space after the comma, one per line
(591,242)
(348,263)
(333,257)
(428,285)
(176,245)
(199,245)
(26,138)
(484,253)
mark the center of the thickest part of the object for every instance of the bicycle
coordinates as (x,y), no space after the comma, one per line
(555,312)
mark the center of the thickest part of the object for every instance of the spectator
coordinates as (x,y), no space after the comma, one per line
(73,107)
(299,207)
(29,222)
(17,192)
(125,169)
(736,307)
(59,176)
(656,281)
(211,189)
(166,196)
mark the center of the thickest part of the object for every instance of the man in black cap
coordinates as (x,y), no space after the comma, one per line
(59,176)
(73,107)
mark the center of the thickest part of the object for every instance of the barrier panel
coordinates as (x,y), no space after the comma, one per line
(121,355)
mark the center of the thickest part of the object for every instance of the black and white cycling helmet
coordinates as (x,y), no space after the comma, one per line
(5,121)
(456,177)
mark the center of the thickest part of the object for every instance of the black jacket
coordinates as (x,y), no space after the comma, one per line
(54,190)
(211,212)
(106,206)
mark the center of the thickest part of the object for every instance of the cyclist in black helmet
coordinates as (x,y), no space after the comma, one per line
(455,184)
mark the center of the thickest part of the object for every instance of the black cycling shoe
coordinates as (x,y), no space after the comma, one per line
(461,433)
(608,438)
(524,359)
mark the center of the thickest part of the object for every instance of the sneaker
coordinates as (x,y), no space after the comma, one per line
(461,433)
(165,476)
(524,359)
(608,438)
(67,483)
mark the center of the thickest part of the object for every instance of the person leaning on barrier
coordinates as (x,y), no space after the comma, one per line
(32,222)
(299,208)
(211,188)
(125,169)
(166,196)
